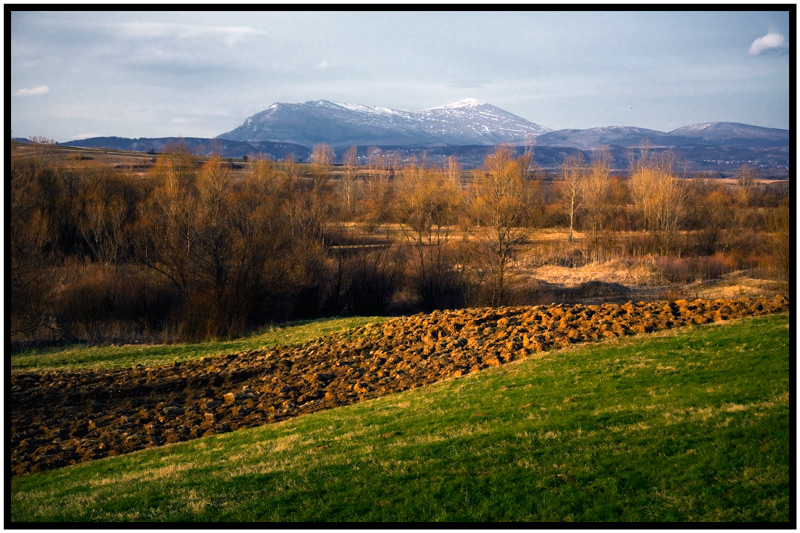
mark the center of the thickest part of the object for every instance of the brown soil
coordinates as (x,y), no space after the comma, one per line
(65,417)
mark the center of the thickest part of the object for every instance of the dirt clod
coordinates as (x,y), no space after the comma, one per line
(65,417)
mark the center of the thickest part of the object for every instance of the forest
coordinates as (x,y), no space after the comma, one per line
(192,247)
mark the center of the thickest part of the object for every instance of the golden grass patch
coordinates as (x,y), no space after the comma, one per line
(194,502)
(146,474)
(260,468)
(289,442)
(614,271)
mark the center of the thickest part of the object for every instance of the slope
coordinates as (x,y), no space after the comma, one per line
(64,417)
(467,122)
(685,425)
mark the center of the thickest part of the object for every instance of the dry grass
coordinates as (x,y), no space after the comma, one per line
(735,285)
(165,472)
(626,273)
(643,276)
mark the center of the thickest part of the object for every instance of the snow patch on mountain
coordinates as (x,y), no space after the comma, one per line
(466,122)
(691,128)
(466,102)
(360,108)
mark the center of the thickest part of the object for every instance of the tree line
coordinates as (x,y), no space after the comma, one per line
(199,249)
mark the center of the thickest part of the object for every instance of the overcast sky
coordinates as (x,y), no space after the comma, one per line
(201,73)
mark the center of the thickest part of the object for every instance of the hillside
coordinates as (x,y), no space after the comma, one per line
(685,426)
(468,122)
(65,417)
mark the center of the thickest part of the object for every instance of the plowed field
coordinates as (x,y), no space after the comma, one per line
(64,417)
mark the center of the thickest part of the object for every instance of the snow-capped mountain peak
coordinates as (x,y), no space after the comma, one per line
(361,108)
(466,122)
(466,102)
(700,126)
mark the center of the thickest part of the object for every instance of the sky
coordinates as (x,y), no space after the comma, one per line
(134,73)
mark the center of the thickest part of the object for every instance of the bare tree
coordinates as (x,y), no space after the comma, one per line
(291,175)
(318,208)
(211,225)
(393,162)
(165,233)
(322,158)
(38,139)
(501,203)
(659,196)
(530,144)
(573,174)
(175,164)
(595,190)
(350,169)
(779,223)
(710,214)
(454,170)
(746,181)
(105,215)
(33,283)
(744,190)
(377,190)
(219,245)
(428,205)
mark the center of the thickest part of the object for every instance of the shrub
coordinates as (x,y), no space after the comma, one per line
(374,279)
(105,304)
(689,269)
(442,290)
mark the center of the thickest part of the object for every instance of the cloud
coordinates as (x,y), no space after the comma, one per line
(81,136)
(230,35)
(36,91)
(770,41)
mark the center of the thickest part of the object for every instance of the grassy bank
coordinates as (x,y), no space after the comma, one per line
(683,425)
(83,356)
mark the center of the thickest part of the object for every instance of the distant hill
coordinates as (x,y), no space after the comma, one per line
(468,122)
(603,136)
(198,146)
(731,134)
(709,146)
(708,134)
(470,129)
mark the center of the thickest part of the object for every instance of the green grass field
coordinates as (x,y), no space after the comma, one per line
(689,425)
(83,356)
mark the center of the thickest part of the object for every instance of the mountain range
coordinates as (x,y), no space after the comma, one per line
(468,122)
(469,129)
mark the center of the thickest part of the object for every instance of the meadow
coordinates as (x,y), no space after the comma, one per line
(686,425)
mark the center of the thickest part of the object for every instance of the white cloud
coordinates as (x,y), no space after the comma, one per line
(770,41)
(230,35)
(81,136)
(36,91)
